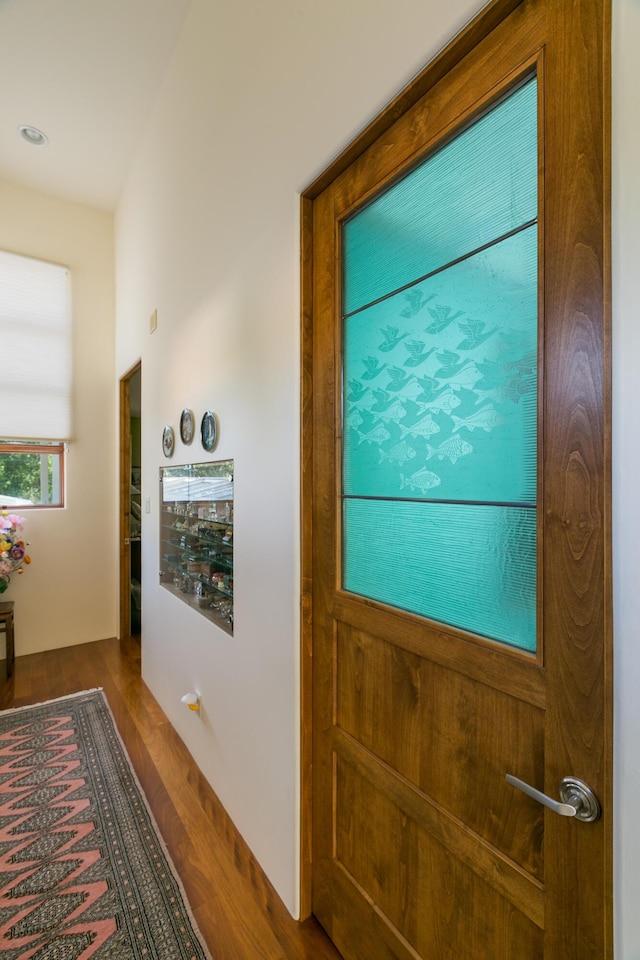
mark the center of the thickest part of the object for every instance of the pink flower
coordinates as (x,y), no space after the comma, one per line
(11,521)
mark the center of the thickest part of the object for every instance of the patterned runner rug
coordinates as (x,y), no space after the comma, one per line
(83,871)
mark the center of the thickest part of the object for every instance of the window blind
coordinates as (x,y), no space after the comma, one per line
(35,346)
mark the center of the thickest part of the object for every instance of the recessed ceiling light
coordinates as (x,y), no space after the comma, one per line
(33,136)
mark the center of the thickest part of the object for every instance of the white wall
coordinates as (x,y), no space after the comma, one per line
(68,594)
(257,101)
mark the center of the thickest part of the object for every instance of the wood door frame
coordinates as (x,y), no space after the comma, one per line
(477,30)
(124,486)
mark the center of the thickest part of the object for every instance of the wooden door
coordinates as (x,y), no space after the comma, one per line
(420,848)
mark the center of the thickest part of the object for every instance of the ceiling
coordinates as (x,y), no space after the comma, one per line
(86,73)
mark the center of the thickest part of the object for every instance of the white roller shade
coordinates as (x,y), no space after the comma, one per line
(35,349)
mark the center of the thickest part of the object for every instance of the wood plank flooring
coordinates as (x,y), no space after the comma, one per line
(236,908)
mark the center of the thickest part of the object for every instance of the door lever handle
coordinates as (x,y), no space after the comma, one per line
(577,799)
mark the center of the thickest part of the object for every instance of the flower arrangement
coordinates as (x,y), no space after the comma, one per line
(13,553)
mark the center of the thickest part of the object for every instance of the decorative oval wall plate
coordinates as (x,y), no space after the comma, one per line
(209,430)
(168,441)
(186,425)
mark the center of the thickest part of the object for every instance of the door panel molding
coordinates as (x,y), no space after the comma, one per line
(507,877)
(467,654)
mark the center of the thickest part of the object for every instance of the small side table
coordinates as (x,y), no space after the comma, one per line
(6,624)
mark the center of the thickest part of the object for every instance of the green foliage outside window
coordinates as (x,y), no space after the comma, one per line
(21,476)
(31,473)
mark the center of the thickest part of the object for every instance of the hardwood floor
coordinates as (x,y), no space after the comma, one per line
(236,908)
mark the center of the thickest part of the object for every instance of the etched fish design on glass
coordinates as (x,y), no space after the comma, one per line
(355,420)
(451,449)
(422,428)
(429,386)
(444,403)
(518,386)
(485,419)
(421,480)
(461,374)
(465,379)
(399,454)
(365,401)
(378,435)
(394,411)
(411,389)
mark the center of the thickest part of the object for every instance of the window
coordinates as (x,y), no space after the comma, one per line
(36,382)
(440,382)
(31,474)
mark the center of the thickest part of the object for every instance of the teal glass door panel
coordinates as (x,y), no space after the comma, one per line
(471,567)
(441,379)
(479,186)
(440,383)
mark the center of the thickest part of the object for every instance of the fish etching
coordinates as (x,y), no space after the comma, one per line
(465,379)
(422,428)
(378,435)
(485,419)
(493,374)
(496,383)
(355,420)
(394,411)
(365,401)
(445,402)
(399,454)
(519,386)
(422,480)
(391,338)
(452,449)
(513,390)
(430,387)
(411,390)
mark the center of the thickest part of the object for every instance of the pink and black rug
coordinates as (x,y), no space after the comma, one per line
(83,871)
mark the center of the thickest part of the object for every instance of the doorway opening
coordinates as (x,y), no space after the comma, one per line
(131,503)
